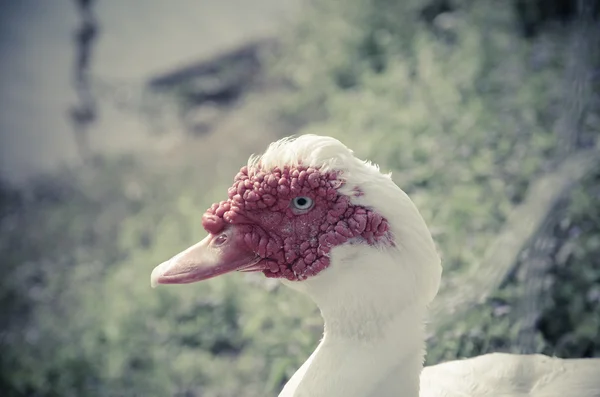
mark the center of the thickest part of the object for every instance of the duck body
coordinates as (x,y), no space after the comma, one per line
(373,343)
(512,375)
(338,230)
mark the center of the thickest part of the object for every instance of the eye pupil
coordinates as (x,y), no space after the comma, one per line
(302,203)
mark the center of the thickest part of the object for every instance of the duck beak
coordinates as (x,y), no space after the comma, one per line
(216,254)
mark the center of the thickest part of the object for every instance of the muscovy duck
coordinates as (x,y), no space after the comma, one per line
(325,223)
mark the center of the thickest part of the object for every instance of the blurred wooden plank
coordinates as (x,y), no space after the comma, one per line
(459,295)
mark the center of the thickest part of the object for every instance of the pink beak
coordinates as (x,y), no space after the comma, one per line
(214,255)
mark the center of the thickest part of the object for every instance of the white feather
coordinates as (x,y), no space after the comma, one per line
(374,302)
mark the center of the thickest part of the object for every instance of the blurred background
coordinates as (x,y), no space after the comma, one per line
(122,121)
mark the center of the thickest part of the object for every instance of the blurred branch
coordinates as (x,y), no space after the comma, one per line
(84,113)
(532,223)
(521,229)
(578,77)
(569,127)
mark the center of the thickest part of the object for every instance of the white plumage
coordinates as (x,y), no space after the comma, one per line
(374,300)
(512,375)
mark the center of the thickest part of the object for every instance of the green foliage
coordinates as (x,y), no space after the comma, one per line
(570,322)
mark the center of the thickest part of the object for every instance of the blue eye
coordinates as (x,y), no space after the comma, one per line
(302,203)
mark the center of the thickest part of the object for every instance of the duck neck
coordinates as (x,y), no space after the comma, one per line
(373,343)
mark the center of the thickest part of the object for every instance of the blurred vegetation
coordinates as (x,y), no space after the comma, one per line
(458,98)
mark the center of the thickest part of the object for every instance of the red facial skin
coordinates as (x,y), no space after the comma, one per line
(293,243)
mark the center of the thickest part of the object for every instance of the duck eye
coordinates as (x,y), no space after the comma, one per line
(302,203)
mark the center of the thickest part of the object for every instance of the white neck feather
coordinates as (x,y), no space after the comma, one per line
(373,299)
(374,328)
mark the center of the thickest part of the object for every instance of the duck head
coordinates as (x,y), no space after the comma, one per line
(310,213)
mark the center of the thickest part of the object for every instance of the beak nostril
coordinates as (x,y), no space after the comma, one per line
(220,240)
